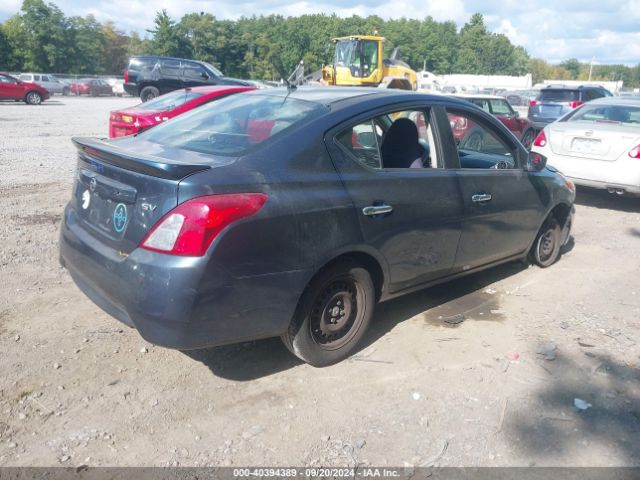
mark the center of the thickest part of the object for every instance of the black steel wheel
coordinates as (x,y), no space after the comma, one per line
(149,93)
(332,315)
(546,248)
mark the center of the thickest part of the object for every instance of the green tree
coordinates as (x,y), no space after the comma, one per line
(167,38)
(45,29)
(87,41)
(115,54)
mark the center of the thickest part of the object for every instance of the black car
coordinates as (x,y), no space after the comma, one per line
(292,212)
(150,76)
(554,101)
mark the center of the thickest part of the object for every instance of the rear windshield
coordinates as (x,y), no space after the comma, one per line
(559,96)
(618,114)
(169,101)
(234,125)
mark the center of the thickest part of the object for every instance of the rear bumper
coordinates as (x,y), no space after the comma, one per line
(178,302)
(621,174)
(131,89)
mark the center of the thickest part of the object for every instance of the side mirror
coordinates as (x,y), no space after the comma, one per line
(536,162)
(516,114)
(204,75)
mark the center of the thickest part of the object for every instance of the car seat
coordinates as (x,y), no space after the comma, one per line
(400,146)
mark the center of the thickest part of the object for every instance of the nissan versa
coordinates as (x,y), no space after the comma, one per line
(292,212)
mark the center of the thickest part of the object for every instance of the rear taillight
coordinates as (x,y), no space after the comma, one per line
(575,104)
(114,116)
(189,229)
(533,103)
(635,152)
(125,76)
(541,140)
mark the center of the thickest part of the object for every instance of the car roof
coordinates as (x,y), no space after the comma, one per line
(479,96)
(335,96)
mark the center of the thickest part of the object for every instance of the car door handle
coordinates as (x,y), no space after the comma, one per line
(373,210)
(481,197)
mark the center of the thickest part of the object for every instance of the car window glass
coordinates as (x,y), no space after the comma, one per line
(401,139)
(36,78)
(362,142)
(5,79)
(479,146)
(483,104)
(170,100)
(233,125)
(195,71)
(559,96)
(607,114)
(170,68)
(500,107)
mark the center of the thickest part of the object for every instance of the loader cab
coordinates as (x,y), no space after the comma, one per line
(361,57)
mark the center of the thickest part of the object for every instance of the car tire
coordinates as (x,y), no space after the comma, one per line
(149,93)
(546,248)
(332,315)
(527,138)
(33,98)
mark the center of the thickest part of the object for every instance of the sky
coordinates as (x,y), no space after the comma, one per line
(554,30)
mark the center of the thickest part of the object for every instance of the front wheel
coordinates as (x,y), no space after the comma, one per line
(33,98)
(332,315)
(546,248)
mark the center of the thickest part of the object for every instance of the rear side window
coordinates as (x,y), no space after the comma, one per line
(234,125)
(142,64)
(170,68)
(559,96)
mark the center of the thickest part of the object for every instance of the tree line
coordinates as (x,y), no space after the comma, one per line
(41,38)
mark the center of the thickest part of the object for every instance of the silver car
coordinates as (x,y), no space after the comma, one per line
(597,145)
(46,81)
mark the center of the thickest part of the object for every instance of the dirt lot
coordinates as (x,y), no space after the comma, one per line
(77,387)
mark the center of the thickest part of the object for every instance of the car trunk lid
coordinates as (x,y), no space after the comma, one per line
(119,194)
(598,141)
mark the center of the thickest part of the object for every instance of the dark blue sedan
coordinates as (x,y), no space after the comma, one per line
(293,212)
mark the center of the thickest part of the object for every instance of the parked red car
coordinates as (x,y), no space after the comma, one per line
(463,129)
(148,114)
(91,86)
(13,89)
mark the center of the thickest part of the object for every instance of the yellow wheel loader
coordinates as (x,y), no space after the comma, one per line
(359,62)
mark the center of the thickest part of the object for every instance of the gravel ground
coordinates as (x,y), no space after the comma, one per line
(499,389)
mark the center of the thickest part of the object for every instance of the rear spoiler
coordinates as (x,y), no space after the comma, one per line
(95,148)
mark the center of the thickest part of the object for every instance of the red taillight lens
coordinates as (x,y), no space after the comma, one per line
(125,76)
(541,140)
(575,104)
(635,152)
(533,103)
(189,229)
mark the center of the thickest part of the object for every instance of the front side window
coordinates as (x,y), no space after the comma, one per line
(233,125)
(479,146)
(5,79)
(402,139)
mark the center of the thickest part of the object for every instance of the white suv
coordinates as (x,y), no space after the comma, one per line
(48,82)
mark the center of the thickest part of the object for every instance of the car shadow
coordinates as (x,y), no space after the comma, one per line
(592,197)
(260,358)
(583,403)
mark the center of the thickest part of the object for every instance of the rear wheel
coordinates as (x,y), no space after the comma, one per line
(546,248)
(332,315)
(33,98)
(149,93)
